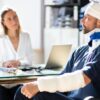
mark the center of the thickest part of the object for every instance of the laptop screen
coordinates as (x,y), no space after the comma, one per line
(58,56)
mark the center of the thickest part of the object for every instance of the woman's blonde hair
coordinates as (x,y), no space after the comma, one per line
(2,21)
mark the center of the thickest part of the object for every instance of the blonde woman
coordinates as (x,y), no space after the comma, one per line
(15,49)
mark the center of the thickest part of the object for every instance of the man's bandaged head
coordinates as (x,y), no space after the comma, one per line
(93,9)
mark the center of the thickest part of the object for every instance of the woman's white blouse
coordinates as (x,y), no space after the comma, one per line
(23,53)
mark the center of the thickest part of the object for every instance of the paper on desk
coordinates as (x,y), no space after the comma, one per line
(16,72)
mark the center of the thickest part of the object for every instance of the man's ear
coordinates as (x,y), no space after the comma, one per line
(98,23)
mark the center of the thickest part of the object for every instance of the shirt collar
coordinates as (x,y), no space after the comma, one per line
(95,44)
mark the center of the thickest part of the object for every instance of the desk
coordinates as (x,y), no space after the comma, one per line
(6,78)
(17,80)
(27,76)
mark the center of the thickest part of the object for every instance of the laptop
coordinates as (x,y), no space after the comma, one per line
(57,60)
(58,57)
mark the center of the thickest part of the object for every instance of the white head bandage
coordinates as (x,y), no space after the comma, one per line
(93,9)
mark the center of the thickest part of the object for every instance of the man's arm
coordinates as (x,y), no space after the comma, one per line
(62,83)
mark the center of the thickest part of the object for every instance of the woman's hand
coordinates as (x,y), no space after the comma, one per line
(30,89)
(11,63)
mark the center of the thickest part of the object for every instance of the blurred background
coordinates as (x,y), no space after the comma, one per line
(49,22)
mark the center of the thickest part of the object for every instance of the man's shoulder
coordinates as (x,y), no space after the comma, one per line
(97,49)
(84,47)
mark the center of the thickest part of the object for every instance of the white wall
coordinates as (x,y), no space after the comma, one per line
(29,12)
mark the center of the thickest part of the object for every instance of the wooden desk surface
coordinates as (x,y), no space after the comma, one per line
(17,80)
(26,77)
(6,78)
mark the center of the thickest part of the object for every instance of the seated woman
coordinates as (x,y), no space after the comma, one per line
(15,49)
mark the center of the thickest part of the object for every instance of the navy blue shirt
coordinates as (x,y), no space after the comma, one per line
(92,69)
(81,60)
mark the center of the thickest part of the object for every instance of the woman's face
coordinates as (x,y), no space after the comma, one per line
(11,21)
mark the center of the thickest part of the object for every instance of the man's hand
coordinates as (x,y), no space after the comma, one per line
(30,89)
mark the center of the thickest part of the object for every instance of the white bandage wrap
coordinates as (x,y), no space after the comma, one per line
(93,9)
(62,83)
